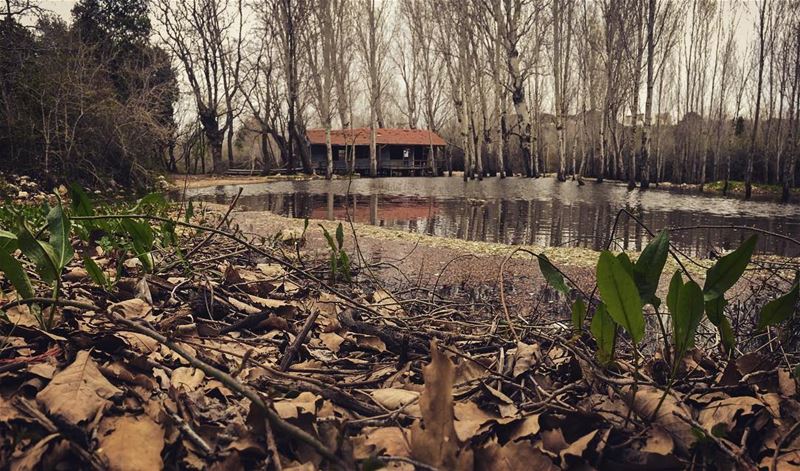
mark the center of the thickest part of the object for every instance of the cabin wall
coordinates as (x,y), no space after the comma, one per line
(416,163)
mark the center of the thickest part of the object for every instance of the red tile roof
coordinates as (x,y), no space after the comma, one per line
(360,137)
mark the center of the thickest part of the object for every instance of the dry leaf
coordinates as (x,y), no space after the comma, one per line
(437,443)
(139,342)
(21,315)
(394,398)
(525,356)
(33,456)
(187,377)
(658,441)
(271,270)
(389,441)
(370,342)
(131,308)
(513,456)
(78,392)
(727,411)
(386,304)
(243,307)
(76,274)
(131,443)
(469,419)
(646,401)
(332,341)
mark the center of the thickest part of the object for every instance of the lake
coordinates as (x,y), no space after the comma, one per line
(525,211)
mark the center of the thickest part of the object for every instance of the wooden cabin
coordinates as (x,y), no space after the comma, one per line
(400,151)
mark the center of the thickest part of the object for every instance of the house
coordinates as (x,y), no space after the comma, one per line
(400,151)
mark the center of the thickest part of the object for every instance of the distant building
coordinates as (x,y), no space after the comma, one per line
(400,151)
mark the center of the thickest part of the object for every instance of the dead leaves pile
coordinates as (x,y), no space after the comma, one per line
(374,386)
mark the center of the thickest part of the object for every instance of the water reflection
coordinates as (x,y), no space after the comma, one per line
(520,211)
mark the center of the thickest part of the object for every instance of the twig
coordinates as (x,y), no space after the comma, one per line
(53,302)
(190,434)
(219,225)
(784,440)
(503,296)
(275,420)
(301,337)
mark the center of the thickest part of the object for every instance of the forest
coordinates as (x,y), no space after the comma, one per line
(577,88)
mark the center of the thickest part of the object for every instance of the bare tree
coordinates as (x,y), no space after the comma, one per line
(562,47)
(201,34)
(263,96)
(322,47)
(762,40)
(373,43)
(420,17)
(514,20)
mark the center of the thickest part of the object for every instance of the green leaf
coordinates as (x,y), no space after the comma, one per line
(726,333)
(95,272)
(344,265)
(715,310)
(578,314)
(8,241)
(328,237)
(81,204)
(340,235)
(728,269)
(552,275)
(604,331)
(620,295)
(16,274)
(142,237)
(779,310)
(675,285)
(687,316)
(150,202)
(189,212)
(59,227)
(40,253)
(626,263)
(649,265)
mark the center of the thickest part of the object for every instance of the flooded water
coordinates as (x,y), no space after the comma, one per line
(524,211)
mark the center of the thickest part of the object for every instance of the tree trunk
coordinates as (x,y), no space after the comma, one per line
(328,151)
(373,146)
(265,153)
(648,103)
(748,176)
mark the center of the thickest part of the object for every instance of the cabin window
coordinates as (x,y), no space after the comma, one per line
(406,153)
(341,154)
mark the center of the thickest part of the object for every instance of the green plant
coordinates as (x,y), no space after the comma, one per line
(339,261)
(49,257)
(625,287)
(49,247)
